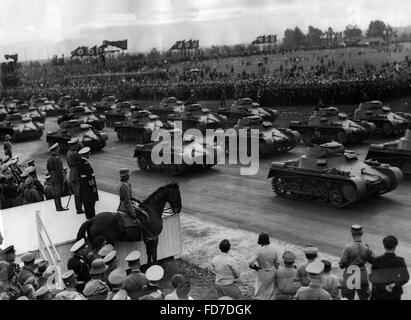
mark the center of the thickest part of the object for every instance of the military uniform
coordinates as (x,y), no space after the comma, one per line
(314,291)
(284,284)
(48,190)
(125,193)
(356,254)
(81,269)
(8,147)
(135,283)
(55,169)
(88,187)
(25,273)
(31,195)
(73,158)
(12,198)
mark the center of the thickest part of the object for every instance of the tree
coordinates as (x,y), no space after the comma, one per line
(314,36)
(352,32)
(289,39)
(154,55)
(299,37)
(376,28)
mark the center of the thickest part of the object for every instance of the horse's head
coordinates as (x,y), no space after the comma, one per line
(174,196)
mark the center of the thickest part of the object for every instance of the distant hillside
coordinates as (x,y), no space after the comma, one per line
(401,30)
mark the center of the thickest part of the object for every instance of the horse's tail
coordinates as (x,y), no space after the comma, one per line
(83,230)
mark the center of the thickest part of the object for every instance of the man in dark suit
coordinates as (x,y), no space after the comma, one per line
(388,273)
(88,186)
(55,169)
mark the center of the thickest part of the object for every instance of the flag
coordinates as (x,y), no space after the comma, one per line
(260,39)
(197,44)
(174,46)
(122,44)
(189,44)
(92,51)
(265,39)
(15,56)
(74,53)
(181,44)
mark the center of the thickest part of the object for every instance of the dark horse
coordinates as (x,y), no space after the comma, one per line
(107,223)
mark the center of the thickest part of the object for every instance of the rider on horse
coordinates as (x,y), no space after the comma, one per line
(128,204)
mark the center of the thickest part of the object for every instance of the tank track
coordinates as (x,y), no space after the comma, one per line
(139,136)
(328,134)
(330,192)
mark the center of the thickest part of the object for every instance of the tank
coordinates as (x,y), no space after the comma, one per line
(66,103)
(105,104)
(195,116)
(330,175)
(120,112)
(20,128)
(396,153)
(271,139)
(329,124)
(94,139)
(84,115)
(193,154)
(387,122)
(139,127)
(49,107)
(32,112)
(245,107)
(167,106)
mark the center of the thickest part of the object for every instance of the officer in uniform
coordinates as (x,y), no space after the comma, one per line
(22,186)
(105,250)
(153,274)
(88,186)
(314,291)
(115,281)
(8,147)
(73,159)
(126,194)
(356,254)
(301,276)
(10,257)
(78,265)
(48,188)
(284,284)
(28,268)
(55,168)
(135,280)
(70,292)
(96,245)
(31,195)
(95,290)
(9,287)
(37,184)
(111,262)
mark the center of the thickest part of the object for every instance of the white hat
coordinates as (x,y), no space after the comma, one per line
(105,250)
(110,257)
(73,140)
(78,245)
(133,256)
(154,273)
(315,267)
(84,150)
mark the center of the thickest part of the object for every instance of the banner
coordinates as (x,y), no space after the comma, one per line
(92,51)
(189,44)
(122,44)
(15,56)
(271,38)
(101,50)
(80,52)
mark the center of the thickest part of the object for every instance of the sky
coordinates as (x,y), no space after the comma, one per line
(38,29)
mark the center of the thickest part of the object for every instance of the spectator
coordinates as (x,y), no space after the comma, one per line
(175,281)
(356,254)
(31,195)
(29,292)
(314,291)
(78,265)
(301,276)
(28,268)
(265,261)
(111,261)
(48,188)
(8,147)
(39,271)
(183,290)
(388,273)
(70,292)
(105,251)
(153,274)
(226,272)
(136,280)
(11,195)
(8,283)
(331,282)
(96,290)
(37,184)
(43,294)
(284,284)
(116,280)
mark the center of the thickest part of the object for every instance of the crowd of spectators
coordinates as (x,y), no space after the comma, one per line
(273,80)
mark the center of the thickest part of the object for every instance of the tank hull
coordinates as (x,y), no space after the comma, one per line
(63,139)
(394,157)
(17,136)
(135,134)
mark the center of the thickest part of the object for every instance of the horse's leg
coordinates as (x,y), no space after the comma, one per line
(154,249)
(148,250)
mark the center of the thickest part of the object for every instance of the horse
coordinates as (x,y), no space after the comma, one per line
(107,224)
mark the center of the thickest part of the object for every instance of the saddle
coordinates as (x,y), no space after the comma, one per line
(132,229)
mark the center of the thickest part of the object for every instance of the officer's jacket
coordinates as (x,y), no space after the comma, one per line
(55,168)
(24,275)
(125,193)
(284,280)
(357,253)
(39,187)
(31,195)
(48,191)
(88,186)
(80,268)
(7,149)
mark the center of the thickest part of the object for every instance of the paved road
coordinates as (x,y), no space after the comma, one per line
(221,195)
